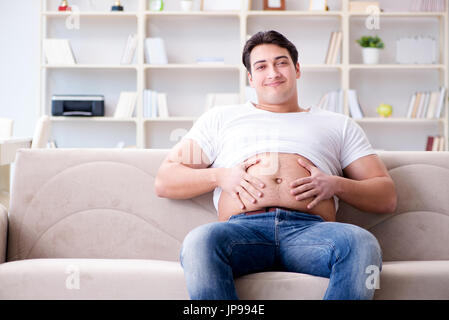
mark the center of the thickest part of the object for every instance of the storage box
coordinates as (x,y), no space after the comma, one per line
(361,6)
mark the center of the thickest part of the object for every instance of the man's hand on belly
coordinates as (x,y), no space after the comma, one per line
(241,185)
(318,185)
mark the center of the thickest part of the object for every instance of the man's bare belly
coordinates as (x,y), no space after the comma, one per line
(277,171)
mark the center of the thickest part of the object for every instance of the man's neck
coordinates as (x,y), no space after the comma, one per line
(281,108)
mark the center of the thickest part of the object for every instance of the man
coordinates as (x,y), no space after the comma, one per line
(277,171)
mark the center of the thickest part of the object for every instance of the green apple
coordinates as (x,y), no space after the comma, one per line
(384,110)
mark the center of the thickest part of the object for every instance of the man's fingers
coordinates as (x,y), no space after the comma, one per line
(302,188)
(314,203)
(245,195)
(249,192)
(254,181)
(300,181)
(307,194)
(251,162)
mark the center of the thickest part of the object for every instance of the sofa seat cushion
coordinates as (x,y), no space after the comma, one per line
(92,279)
(156,279)
(414,280)
(136,279)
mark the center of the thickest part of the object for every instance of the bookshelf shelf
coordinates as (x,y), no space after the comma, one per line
(397,66)
(296,13)
(99,43)
(91,66)
(209,66)
(402,14)
(171,119)
(92,119)
(97,14)
(192,13)
(393,120)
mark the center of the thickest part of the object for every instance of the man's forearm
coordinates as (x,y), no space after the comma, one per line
(372,195)
(177,181)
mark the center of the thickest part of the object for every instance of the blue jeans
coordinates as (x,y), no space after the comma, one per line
(213,254)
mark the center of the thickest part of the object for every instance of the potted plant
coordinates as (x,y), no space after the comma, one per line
(371,48)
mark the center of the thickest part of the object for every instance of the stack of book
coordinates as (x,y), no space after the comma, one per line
(130,50)
(155,51)
(428,5)
(427,105)
(332,101)
(58,52)
(333,49)
(155,104)
(126,105)
(435,143)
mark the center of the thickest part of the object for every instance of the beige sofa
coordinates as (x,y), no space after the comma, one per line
(86,224)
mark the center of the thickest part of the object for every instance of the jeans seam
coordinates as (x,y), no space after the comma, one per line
(233,244)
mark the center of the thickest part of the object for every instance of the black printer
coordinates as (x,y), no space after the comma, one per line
(77,105)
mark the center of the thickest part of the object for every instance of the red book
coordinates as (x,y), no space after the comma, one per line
(429,143)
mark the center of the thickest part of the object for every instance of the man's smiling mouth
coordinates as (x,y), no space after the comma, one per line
(274,84)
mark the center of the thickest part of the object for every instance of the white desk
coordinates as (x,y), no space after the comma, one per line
(8,149)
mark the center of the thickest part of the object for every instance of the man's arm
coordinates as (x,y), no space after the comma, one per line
(366,185)
(184,173)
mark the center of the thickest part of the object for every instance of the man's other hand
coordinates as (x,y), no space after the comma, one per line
(241,185)
(318,185)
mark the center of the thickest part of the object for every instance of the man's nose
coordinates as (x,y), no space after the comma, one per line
(273,73)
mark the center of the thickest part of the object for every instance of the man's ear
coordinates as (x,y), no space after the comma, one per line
(298,71)
(250,79)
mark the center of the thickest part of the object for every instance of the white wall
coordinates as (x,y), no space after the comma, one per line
(19,64)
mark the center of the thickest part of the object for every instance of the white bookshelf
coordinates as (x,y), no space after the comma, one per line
(101,38)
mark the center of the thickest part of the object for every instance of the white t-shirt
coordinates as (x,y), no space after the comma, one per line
(229,135)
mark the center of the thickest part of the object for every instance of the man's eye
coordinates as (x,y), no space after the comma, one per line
(282,62)
(260,68)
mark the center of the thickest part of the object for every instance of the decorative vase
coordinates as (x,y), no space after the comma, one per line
(370,55)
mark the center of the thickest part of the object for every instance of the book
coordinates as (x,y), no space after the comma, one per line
(436,143)
(58,52)
(162,105)
(441,144)
(126,104)
(410,106)
(329,48)
(429,143)
(440,105)
(336,50)
(155,51)
(130,50)
(354,106)
(432,105)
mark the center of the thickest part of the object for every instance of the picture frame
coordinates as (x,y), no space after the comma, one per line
(318,5)
(225,5)
(274,4)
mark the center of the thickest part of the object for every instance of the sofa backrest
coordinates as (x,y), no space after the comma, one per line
(100,203)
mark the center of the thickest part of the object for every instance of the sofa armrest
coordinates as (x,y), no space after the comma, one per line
(3,232)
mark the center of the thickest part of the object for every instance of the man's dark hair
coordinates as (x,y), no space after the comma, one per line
(268,37)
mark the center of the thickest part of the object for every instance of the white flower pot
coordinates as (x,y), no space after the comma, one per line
(370,55)
(186,5)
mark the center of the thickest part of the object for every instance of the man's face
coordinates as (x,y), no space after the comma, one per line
(273,74)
